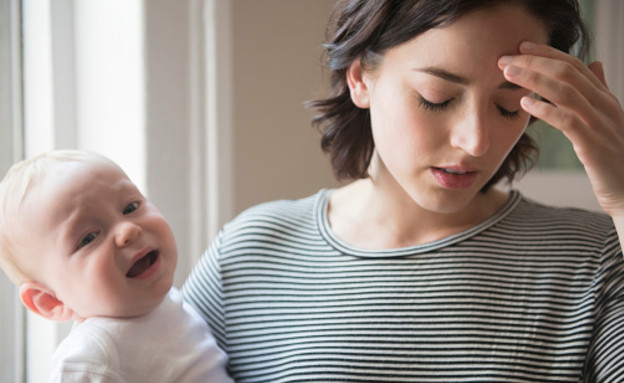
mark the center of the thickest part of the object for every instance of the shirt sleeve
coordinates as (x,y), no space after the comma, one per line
(85,356)
(605,359)
(204,291)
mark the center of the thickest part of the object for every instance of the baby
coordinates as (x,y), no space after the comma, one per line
(83,244)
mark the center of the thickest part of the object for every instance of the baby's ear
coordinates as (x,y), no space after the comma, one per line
(41,300)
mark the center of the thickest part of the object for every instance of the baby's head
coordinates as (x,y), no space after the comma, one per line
(80,240)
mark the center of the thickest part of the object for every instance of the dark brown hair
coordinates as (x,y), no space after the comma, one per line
(365,29)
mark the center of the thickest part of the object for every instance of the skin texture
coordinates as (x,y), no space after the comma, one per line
(81,231)
(443,121)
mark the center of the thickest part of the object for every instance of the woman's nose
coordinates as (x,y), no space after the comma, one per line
(472,135)
(126,233)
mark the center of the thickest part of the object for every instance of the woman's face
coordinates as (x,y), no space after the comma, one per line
(443,116)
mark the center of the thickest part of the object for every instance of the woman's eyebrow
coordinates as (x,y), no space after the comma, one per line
(444,74)
(458,79)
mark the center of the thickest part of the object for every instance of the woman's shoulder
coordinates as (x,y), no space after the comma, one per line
(541,216)
(284,213)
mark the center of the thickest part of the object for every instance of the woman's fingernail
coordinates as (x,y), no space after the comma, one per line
(504,60)
(527,46)
(512,71)
(527,102)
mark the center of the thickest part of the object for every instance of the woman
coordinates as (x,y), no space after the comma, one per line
(421,270)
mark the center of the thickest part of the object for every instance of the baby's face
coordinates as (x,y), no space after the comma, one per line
(96,242)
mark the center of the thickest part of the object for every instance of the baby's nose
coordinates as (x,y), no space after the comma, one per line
(126,233)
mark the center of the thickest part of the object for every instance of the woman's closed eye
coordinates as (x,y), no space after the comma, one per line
(437,107)
(432,106)
(510,115)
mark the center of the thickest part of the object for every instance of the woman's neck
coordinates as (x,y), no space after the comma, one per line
(367,216)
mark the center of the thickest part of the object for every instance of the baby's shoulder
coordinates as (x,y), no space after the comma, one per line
(86,351)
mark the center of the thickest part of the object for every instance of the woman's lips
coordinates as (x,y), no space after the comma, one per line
(454,178)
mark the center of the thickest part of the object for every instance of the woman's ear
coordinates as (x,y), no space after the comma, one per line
(357,86)
(41,300)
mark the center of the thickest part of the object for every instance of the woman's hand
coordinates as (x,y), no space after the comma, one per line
(582,107)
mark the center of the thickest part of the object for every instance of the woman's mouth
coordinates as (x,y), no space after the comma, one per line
(454,178)
(143,265)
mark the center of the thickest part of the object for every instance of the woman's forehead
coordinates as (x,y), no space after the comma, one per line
(476,38)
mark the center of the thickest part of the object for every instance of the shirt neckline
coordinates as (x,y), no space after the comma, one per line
(320,208)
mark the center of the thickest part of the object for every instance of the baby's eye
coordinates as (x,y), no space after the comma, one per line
(132,206)
(507,114)
(87,239)
(432,106)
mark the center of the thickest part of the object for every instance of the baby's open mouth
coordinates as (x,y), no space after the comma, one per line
(143,264)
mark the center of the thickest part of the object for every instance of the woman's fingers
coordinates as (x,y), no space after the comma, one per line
(545,51)
(560,82)
(573,96)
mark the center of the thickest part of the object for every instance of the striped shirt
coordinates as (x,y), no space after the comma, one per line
(533,294)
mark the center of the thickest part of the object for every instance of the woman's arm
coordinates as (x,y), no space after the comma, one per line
(583,109)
